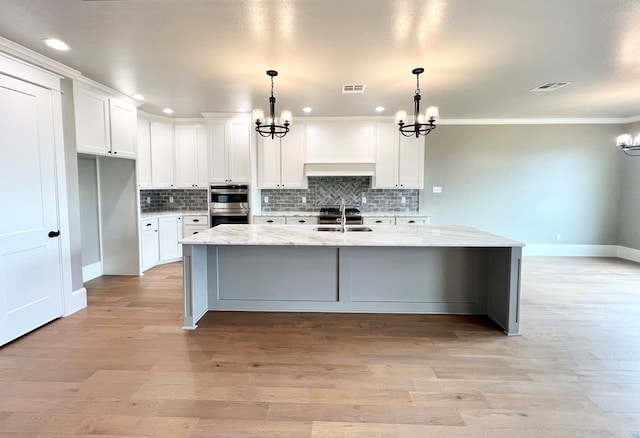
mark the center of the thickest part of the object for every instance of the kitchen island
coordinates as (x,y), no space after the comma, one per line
(389,269)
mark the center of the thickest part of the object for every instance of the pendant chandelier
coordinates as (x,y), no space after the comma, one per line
(629,145)
(270,127)
(422,123)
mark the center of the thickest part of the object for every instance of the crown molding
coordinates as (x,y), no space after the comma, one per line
(35,58)
(631,119)
(538,121)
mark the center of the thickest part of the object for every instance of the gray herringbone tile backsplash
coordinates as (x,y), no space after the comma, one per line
(183,200)
(328,190)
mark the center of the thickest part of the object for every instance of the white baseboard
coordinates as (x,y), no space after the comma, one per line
(92,271)
(629,254)
(76,301)
(582,251)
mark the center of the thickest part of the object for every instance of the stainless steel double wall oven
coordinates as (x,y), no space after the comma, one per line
(229,204)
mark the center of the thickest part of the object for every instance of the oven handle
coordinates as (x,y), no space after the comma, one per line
(229,191)
(218,214)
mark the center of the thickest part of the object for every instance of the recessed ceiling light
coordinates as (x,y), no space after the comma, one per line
(306,109)
(167,111)
(379,109)
(138,96)
(56,44)
(242,110)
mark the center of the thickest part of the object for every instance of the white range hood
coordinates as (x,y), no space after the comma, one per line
(339,169)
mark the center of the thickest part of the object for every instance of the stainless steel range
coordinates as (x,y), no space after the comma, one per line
(331,215)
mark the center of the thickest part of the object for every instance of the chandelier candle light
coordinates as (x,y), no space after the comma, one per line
(422,123)
(629,145)
(270,127)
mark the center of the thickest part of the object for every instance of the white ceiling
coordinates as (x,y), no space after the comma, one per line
(481,57)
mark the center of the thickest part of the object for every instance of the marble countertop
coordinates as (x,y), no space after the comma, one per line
(363,214)
(173,213)
(382,235)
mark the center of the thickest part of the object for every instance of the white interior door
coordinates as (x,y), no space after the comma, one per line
(30,276)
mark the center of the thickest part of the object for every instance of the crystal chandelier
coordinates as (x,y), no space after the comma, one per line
(422,123)
(270,127)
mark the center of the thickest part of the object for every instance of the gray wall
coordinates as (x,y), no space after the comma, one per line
(89,215)
(526,182)
(629,223)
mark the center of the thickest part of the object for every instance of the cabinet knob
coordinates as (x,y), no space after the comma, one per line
(196,220)
(378,222)
(302,221)
(115,152)
(269,221)
(412,222)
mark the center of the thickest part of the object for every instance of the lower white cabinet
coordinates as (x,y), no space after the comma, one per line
(170,232)
(159,238)
(149,243)
(379,220)
(269,220)
(301,220)
(419,220)
(194,224)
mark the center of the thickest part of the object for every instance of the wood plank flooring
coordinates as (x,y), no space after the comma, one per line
(123,367)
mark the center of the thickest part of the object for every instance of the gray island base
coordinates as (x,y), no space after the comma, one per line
(391,269)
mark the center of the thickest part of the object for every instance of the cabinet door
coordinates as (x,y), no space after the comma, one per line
(268,162)
(292,159)
(162,155)
(217,152)
(239,148)
(144,154)
(386,156)
(202,166)
(124,125)
(92,122)
(170,231)
(149,244)
(186,156)
(411,163)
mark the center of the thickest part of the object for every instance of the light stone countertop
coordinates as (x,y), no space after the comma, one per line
(382,235)
(363,214)
(173,213)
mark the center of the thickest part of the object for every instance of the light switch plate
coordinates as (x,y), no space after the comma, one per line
(170,198)
(304,199)
(437,189)
(364,199)
(266,199)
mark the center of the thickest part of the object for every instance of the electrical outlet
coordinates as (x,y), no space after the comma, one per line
(170,198)
(148,199)
(304,199)
(437,189)
(403,200)
(364,199)
(558,237)
(266,199)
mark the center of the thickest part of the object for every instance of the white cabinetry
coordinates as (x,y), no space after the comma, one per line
(418,220)
(399,159)
(194,224)
(191,156)
(281,160)
(149,243)
(269,220)
(162,155)
(379,220)
(143,162)
(229,150)
(104,125)
(170,232)
(301,220)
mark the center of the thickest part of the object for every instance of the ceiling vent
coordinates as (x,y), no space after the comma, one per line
(353,88)
(550,86)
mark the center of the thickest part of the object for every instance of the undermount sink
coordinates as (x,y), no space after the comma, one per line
(338,229)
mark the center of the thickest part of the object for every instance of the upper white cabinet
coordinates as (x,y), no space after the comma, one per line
(191,156)
(104,125)
(162,155)
(143,162)
(229,150)
(281,160)
(399,159)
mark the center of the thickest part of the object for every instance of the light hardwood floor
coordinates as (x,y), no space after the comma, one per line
(124,367)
